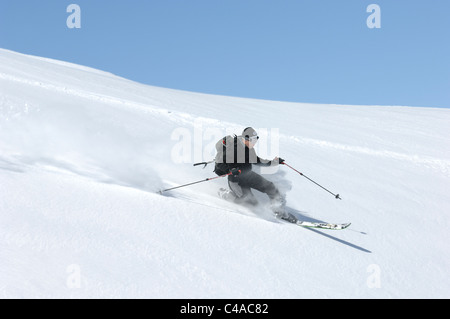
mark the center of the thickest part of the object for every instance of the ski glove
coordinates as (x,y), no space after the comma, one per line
(280,160)
(235,171)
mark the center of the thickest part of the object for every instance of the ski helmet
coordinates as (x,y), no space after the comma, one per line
(250,134)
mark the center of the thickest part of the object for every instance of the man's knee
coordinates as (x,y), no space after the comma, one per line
(270,189)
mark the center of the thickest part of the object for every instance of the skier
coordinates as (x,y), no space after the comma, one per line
(237,155)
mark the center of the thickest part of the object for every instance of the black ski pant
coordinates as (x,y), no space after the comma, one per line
(242,184)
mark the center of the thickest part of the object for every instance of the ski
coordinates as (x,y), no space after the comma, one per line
(323,225)
(289,218)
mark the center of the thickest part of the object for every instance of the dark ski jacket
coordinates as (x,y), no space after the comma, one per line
(233,153)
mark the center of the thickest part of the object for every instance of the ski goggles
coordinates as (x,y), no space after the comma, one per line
(252,139)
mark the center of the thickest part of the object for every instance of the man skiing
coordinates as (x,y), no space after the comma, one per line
(237,155)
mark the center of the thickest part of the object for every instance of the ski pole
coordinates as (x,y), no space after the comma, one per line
(335,195)
(204,163)
(202,181)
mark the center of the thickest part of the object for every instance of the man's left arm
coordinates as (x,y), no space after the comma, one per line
(263,162)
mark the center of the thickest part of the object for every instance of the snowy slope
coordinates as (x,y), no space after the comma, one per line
(83,154)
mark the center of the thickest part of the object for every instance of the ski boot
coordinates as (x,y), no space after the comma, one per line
(226,194)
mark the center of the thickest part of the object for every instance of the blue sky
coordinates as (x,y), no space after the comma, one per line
(317,51)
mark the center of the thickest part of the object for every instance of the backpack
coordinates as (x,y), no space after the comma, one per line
(224,146)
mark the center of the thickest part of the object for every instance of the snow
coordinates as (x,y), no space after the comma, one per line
(83,154)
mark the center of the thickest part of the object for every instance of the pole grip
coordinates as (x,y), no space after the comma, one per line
(204,163)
